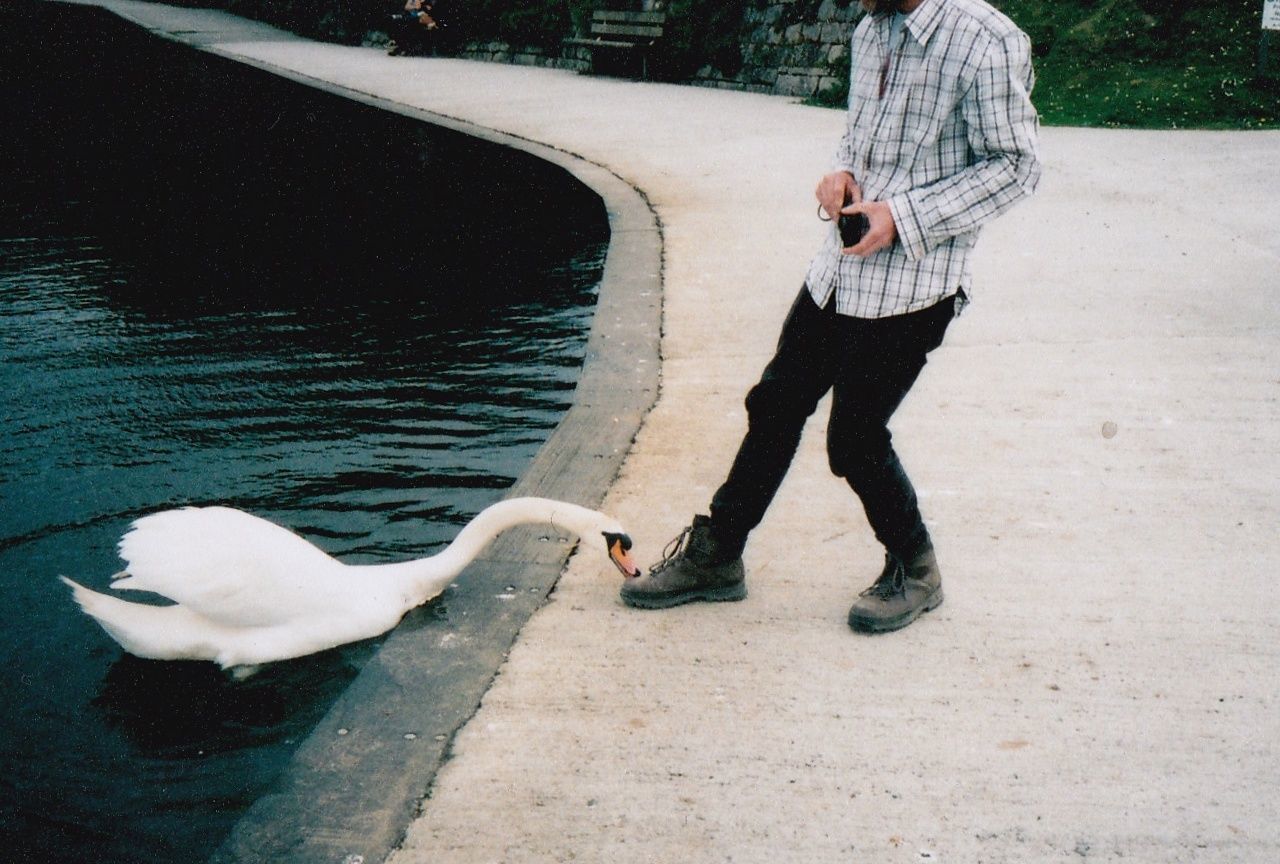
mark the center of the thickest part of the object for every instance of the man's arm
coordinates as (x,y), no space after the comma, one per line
(1002,130)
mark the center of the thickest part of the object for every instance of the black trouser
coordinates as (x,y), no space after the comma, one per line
(869,365)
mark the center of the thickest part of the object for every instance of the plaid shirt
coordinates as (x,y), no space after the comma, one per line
(951,144)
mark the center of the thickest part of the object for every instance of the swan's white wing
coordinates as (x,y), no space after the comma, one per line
(224,564)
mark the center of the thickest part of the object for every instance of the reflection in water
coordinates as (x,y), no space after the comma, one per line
(217,287)
(213,713)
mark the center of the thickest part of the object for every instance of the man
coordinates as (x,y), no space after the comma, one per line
(941,138)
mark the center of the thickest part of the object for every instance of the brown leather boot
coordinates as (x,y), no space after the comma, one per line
(695,566)
(904,591)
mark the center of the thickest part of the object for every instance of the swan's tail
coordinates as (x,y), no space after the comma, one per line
(153,632)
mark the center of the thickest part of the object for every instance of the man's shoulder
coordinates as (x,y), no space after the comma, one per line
(865,23)
(980,16)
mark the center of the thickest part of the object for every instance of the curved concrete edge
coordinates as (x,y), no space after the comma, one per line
(356,783)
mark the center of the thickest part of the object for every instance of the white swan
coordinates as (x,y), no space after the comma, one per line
(249,592)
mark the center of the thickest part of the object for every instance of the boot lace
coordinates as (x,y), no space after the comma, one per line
(672,551)
(892,581)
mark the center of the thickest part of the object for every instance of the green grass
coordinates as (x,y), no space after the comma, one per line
(1150,95)
(1149,64)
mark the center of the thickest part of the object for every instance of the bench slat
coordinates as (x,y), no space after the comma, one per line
(644,32)
(632,17)
(604,43)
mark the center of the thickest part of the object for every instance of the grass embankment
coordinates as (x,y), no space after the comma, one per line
(1149,63)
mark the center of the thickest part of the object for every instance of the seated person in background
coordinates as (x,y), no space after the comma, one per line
(417,29)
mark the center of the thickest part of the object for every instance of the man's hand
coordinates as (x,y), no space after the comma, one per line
(835,190)
(881,233)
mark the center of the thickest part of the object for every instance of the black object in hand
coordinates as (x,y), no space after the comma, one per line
(852,228)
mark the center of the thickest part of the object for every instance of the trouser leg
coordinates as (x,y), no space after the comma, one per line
(881,360)
(800,373)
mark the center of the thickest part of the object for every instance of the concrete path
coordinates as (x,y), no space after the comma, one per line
(1097,448)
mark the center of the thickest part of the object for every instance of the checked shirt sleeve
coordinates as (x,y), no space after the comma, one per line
(1002,135)
(844,154)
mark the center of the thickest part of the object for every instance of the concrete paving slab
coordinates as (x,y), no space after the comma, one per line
(1097,446)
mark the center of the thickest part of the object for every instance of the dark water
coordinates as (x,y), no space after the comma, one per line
(219,287)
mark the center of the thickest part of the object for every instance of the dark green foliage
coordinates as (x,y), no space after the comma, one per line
(701,33)
(544,23)
(837,95)
(343,21)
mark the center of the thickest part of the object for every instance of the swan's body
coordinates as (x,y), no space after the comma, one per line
(247,591)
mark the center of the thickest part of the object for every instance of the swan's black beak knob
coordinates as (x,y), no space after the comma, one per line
(620,554)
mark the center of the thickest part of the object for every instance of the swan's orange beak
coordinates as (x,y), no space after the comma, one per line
(620,555)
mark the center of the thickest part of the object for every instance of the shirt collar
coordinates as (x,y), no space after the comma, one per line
(925,19)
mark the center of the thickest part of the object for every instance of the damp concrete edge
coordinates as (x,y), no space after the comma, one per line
(356,783)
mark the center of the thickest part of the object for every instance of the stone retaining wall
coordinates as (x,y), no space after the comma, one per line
(577,59)
(789,48)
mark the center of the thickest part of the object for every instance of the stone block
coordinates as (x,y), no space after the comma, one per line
(765,55)
(807,55)
(790,84)
(829,82)
(836,33)
(765,75)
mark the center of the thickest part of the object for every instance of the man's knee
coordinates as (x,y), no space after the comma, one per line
(776,404)
(859,452)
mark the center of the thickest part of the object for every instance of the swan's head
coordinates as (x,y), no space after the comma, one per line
(619,546)
(583,521)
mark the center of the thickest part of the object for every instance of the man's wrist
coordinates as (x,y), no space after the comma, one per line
(907,225)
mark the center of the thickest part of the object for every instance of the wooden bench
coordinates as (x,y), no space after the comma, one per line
(622,34)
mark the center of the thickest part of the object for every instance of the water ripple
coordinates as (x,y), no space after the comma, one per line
(194,312)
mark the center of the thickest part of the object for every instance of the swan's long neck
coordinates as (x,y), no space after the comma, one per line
(429,576)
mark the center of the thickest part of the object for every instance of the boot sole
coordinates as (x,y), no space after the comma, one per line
(726,594)
(888,625)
